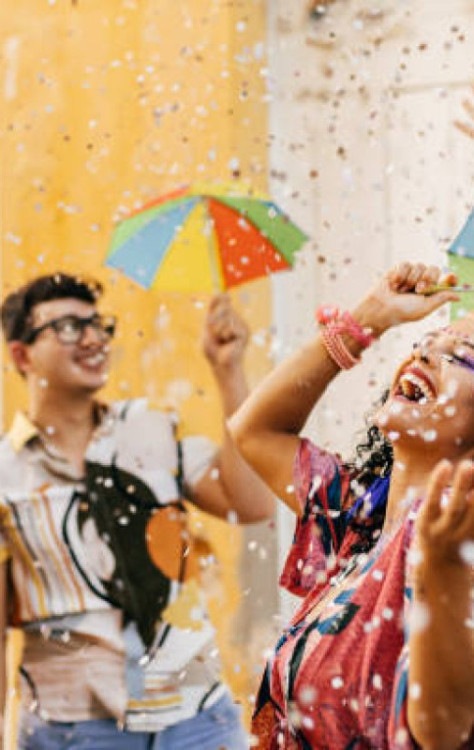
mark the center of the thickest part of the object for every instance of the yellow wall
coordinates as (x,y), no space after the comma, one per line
(106,105)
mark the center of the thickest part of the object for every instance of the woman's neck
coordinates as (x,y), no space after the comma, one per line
(404,490)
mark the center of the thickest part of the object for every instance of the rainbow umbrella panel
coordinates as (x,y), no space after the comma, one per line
(461,251)
(461,261)
(201,239)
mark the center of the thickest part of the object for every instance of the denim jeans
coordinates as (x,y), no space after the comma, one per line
(215,728)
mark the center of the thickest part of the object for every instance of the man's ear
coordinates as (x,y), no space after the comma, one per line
(20,356)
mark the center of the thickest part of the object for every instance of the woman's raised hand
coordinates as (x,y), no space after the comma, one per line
(403,295)
(440,632)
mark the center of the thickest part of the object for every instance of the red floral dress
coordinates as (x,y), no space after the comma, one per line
(338,677)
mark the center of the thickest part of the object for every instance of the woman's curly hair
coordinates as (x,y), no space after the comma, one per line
(374,454)
(373,459)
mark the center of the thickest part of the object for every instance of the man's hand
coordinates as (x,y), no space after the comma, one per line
(225,335)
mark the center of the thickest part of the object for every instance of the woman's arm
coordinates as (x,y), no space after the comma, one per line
(267,426)
(441,640)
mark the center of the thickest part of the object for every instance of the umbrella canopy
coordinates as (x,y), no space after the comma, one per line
(461,261)
(204,238)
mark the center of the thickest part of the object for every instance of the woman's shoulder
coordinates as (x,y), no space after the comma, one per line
(313,459)
(316,469)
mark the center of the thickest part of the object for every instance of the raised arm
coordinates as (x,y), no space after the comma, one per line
(267,426)
(441,642)
(230,488)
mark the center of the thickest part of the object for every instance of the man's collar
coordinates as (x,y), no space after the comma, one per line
(22,431)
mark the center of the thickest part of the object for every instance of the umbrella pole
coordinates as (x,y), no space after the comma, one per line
(215,264)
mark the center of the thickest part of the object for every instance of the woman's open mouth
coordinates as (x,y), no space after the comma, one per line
(414,385)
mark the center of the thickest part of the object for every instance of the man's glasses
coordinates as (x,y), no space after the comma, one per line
(70,328)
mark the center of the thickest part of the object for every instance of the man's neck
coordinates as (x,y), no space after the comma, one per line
(66,423)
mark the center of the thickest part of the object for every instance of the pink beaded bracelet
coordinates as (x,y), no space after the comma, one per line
(337,350)
(344,323)
(335,325)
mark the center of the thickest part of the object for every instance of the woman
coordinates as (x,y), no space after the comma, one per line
(380,654)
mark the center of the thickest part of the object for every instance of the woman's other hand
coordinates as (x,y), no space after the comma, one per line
(445,523)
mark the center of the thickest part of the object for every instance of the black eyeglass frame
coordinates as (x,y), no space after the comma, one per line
(103,324)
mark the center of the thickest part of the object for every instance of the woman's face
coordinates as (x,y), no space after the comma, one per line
(431,401)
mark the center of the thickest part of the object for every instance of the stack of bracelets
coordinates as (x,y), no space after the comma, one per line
(336,324)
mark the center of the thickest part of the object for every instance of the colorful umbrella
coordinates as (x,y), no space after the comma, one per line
(461,261)
(204,238)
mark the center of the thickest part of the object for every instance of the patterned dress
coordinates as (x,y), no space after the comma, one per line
(338,677)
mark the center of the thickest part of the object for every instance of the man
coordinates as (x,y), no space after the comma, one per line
(103,573)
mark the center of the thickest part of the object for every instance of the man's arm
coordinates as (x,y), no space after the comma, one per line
(3,632)
(230,488)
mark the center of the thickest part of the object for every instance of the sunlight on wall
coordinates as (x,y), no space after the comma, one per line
(105,106)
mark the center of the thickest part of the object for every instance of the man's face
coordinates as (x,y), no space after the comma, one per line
(75,367)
